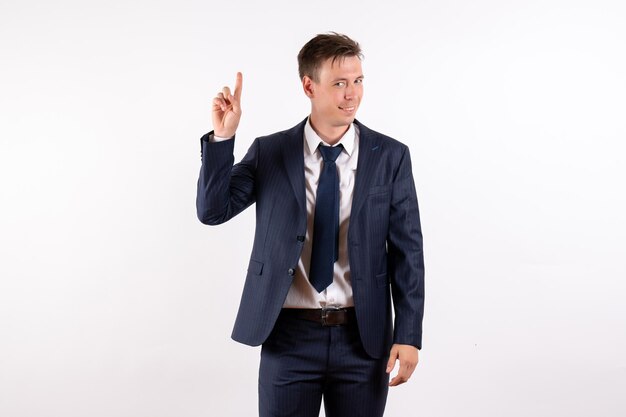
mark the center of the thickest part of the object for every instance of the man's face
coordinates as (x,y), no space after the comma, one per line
(336,96)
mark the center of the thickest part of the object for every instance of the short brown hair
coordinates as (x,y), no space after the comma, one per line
(322,47)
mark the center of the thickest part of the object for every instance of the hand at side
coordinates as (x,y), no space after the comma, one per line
(408,356)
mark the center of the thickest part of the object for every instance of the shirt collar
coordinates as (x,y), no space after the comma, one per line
(312,139)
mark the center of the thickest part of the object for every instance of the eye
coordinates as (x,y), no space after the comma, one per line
(358,81)
(340,84)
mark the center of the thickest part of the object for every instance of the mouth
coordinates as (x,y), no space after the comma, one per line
(347,109)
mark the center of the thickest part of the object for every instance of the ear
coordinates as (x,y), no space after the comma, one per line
(308,86)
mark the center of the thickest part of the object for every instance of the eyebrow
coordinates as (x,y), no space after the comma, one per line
(345,79)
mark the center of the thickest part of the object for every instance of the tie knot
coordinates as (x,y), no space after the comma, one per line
(330,153)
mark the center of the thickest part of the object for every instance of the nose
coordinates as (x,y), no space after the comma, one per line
(349,92)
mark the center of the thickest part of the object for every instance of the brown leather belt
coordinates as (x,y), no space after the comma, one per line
(323,316)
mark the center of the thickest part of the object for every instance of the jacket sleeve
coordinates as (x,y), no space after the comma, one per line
(224,189)
(405,257)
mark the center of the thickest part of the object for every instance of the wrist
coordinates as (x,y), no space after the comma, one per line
(223,133)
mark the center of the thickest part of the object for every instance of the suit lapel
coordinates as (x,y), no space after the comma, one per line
(293,158)
(369,155)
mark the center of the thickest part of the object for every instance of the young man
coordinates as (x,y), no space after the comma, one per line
(337,234)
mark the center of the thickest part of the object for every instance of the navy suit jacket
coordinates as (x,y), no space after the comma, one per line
(384,235)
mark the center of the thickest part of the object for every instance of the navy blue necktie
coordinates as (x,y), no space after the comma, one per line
(325,249)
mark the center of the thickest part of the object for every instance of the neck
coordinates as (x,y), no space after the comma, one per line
(329,134)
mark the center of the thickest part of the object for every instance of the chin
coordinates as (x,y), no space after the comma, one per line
(350,119)
(346,119)
(343,122)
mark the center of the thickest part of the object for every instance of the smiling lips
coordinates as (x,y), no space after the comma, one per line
(348,109)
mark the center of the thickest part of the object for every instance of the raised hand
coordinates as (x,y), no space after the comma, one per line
(227,110)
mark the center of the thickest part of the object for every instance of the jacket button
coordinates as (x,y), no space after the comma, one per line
(291,272)
(300,238)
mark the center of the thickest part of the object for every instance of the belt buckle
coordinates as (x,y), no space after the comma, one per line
(324,315)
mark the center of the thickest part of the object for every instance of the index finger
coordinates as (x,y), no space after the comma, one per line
(238,83)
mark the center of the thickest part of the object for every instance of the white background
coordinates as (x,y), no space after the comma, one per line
(116,302)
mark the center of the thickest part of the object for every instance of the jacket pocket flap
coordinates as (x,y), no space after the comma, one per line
(381,280)
(379,189)
(255,267)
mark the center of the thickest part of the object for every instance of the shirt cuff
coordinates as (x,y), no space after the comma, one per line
(215,138)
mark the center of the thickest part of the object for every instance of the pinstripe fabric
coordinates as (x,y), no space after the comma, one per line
(303,362)
(384,236)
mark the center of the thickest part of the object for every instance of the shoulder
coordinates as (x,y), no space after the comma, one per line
(280,137)
(391,144)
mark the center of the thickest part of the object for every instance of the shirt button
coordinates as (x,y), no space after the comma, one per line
(291,272)
(300,238)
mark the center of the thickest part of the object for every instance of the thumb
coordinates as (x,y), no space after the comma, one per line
(392,360)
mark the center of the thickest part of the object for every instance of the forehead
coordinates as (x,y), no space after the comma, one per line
(343,67)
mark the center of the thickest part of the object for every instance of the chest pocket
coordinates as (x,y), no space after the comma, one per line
(379,189)
(378,202)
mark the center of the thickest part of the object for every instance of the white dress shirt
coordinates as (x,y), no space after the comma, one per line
(339,292)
